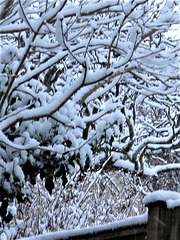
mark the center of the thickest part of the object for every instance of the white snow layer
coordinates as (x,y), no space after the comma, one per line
(159,168)
(126,164)
(171,198)
(89,230)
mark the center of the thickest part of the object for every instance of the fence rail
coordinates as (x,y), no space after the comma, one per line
(123,233)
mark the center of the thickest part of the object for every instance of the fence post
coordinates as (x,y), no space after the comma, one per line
(163,222)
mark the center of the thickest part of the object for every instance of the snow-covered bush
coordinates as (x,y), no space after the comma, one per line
(98,197)
(80,81)
(112,196)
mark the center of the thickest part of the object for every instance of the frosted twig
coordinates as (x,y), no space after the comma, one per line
(92,183)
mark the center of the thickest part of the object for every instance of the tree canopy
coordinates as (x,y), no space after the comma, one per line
(84,83)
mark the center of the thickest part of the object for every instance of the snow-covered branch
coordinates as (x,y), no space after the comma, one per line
(85,79)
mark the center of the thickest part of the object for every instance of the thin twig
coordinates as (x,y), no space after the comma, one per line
(92,183)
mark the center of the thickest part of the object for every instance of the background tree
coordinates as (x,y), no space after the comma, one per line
(84,83)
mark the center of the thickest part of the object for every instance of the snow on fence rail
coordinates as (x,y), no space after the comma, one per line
(161,222)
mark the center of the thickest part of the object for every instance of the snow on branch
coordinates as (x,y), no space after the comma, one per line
(81,80)
(154,171)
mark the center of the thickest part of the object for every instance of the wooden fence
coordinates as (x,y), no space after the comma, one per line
(161,223)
